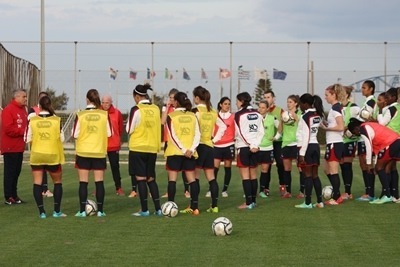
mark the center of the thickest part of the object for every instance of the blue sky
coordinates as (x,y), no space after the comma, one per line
(209,21)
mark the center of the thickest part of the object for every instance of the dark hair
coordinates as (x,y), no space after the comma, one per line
(353,124)
(370,84)
(45,104)
(392,92)
(269,91)
(183,101)
(43,93)
(349,89)
(313,101)
(245,98)
(142,89)
(173,91)
(265,102)
(382,94)
(93,96)
(204,95)
(221,101)
(295,99)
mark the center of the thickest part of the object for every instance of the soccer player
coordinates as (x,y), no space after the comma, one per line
(144,128)
(91,131)
(350,110)
(287,131)
(249,131)
(276,111)
(45,135)
(35,111)
(265,156)
(383,142)
(390,117)
(224,148)
(367,90)
(168,108)
(309,151)
(183,139)
(114,141)
(207,117)
(334,127)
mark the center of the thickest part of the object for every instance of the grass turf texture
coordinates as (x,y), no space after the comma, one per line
(274,234)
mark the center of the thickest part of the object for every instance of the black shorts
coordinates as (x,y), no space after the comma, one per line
(349,150)
(142,164)
(265,157)
(361,150)
(180,163)
(86,163)
(334,152)
(246,158)
(224,153)
(312,156)
(394,150)
(50,168)
(289,152)
(206,157)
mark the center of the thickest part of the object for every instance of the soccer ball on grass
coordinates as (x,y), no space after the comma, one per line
(91,207)
(327,192)
(169,209)
(222,226)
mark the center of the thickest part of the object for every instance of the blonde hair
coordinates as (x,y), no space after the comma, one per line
(339,91)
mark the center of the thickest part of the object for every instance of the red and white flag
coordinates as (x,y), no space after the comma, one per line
(224,73)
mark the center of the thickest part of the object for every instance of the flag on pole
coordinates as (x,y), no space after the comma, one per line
(150,74)
(113,73)
(260,74)
(279,75)
(168,74)
(132,74)
(224,73)
(204,75)
(243,74)
(185,75)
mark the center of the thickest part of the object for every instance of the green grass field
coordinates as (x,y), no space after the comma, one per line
(273,234)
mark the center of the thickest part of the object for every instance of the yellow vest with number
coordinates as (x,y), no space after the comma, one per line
(207,120)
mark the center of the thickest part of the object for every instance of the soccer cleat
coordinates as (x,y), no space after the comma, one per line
(262,195)
(346,196)
(282,189)
(319,205)
(245,206)
(187,194)
(18,201)
(120,192)
(132,194)
(331,202)
(266,191)
(382,200)
(287,195)
(300,195)
(364,197)
(158,213)
(208,194)
(304,206)
(141,213)
(47,193)
(59,214)
(9,201)
(101,214)
(165,195)
(42,215)
(80,214)
(224,194)
(213,210)
(396,200)
(188,210)
(339,200)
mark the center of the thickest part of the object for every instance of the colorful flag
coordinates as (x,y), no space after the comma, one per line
(204,75)
(260,74)
(224,73)
(113,73)
(279,75)
(243,74)
(185,75)
(168,75)
(150,74)
(132,74)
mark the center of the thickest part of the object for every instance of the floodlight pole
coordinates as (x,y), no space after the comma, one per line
(42,49)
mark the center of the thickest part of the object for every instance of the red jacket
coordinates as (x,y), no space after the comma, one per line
(114,141)
(14,122)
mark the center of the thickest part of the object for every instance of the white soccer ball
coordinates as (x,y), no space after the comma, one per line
(327,192)
(169,209)
(222,226)
(91,207)
(365,114)
(287,117)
